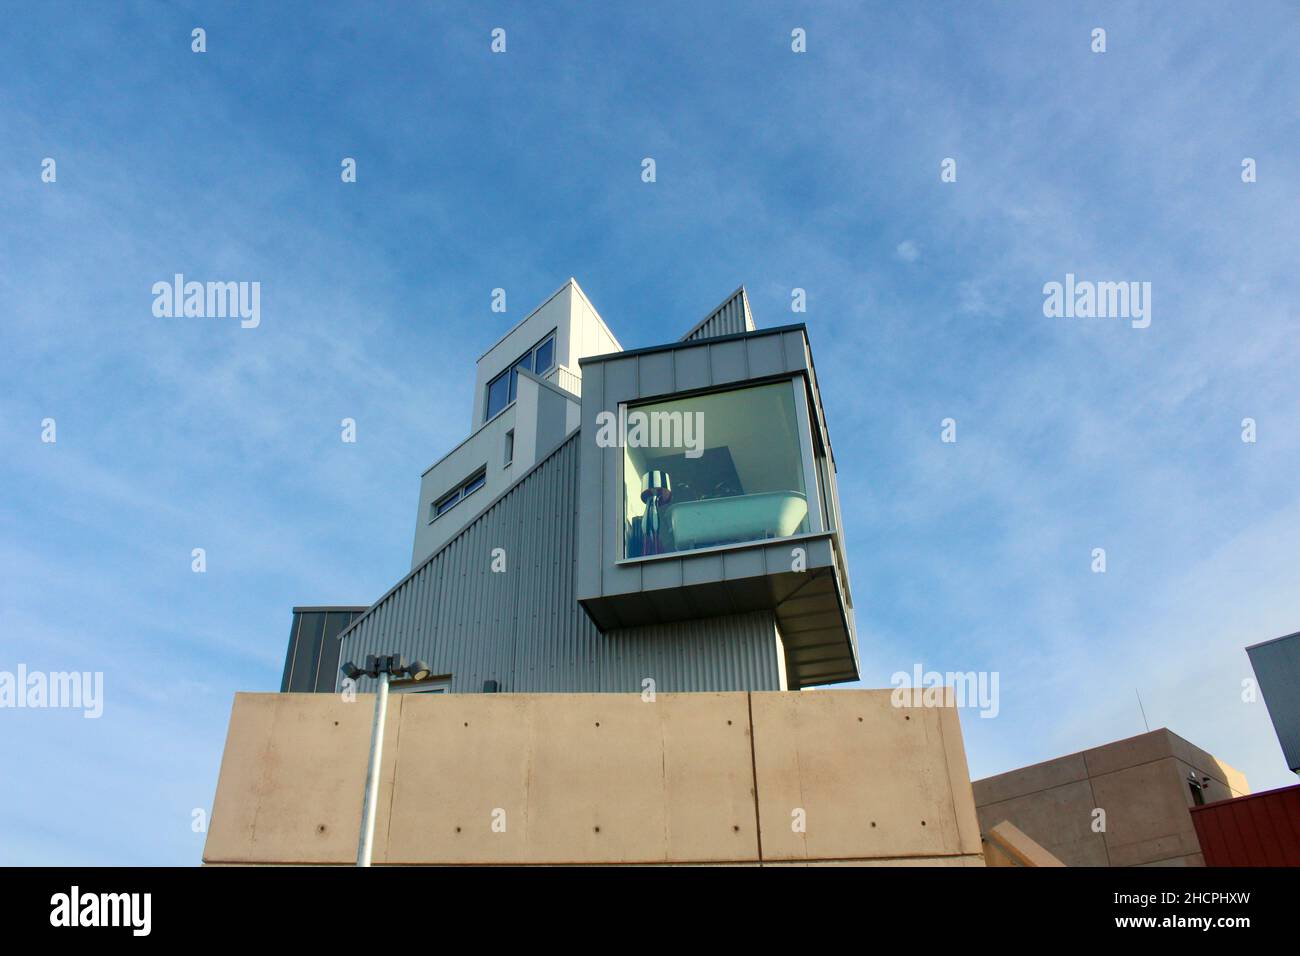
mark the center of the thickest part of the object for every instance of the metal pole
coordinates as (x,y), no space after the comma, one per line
(367,841)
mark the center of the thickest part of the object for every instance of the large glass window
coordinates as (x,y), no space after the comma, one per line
(502,389)
(717,469)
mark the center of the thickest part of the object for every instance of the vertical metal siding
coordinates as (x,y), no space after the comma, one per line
(525,628)
(565,378)
(1262,829)
(727,319)
(312,658)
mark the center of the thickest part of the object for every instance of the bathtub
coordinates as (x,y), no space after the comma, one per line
(768,514)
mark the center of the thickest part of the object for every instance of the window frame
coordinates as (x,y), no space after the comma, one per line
(818,522)
(511,375)
(458,494)
(430,685)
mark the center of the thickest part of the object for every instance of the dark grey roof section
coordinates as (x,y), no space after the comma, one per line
(523,626)
(731,317)
(312,661)
(1277,668)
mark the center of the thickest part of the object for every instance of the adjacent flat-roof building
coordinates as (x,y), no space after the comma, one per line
(616,520)
(1124,803)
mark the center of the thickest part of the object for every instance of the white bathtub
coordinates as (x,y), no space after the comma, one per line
(768,514)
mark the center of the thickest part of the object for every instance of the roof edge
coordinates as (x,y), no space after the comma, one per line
(693,343)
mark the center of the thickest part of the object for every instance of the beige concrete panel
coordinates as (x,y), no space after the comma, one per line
(1194,859)
(1214,791)
(582,778)
(994,855)
(1147,816)
(964,860)
(1018,847)
(1226,782)
(954,747)
(460,759)
(1026,780)
(231,823)
(1157,745)
(1173,861)
(292,778)
(1060,819)
(1130,752)
(872,779)
(1206,764)
(1149,852)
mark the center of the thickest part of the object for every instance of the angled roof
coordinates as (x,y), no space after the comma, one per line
(730,317)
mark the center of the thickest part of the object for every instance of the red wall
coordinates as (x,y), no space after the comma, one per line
(1262,829)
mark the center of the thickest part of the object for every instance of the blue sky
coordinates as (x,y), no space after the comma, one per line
(778,170)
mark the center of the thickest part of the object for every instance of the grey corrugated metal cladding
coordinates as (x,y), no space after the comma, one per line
(523,626)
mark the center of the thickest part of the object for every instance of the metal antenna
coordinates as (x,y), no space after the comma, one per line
(1144,711)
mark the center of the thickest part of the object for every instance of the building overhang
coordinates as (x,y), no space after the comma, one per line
(801,577)
(815,625)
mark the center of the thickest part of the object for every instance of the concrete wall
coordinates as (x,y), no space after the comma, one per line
(598,778)
(1140,782)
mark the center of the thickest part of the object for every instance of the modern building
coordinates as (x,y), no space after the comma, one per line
(1277,668)
(1124,803)
(637,552)
(616,520)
